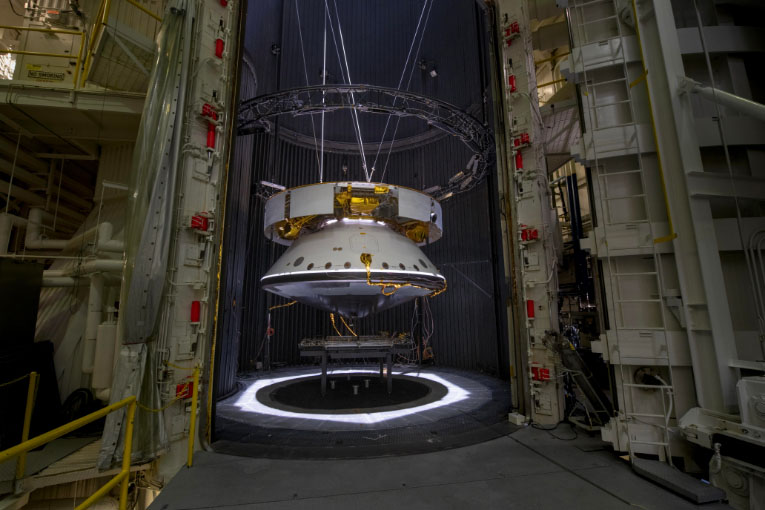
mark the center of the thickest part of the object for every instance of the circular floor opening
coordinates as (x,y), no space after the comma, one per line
(281,414)
(350,394)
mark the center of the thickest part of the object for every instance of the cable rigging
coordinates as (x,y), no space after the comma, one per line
(319,161)
(408,84)
(346,76)
(401,79)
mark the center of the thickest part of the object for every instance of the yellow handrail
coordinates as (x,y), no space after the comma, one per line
(39,29)
(672,234)
(93,35)
(103,15)
(144,9)
(53,55)
(37,53)
(547,84)
(550,59)
(121,477)
(193,418)
(21,463)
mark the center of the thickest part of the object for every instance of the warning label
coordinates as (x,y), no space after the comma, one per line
(45,75)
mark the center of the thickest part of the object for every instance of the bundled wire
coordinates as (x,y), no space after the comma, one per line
(334,326)
(347,326)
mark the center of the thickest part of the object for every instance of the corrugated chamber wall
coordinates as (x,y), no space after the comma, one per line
(465,322)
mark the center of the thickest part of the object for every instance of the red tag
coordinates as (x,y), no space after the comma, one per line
(196,311)
(540,374)
(184,390)
(199,222)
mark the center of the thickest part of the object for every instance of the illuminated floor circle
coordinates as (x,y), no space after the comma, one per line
(351,394)
(434,409)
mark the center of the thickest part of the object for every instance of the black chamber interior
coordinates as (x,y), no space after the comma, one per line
(377,33)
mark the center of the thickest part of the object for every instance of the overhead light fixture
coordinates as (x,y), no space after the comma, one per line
(273,185)
(428,66)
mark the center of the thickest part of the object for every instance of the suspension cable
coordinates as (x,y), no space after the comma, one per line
(408,84)
(305,72)
(323,100)
(400,82)
(752,268)
(347,79)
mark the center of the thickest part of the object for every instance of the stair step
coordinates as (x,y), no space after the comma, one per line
(676,481)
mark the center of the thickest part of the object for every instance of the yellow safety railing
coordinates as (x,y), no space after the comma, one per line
(103,16)
(121,478)
(21,463)
(144,9)
(27,444)
(54,55)
(181,396)
(193,418)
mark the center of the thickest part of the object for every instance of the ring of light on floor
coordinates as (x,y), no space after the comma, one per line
(248,402)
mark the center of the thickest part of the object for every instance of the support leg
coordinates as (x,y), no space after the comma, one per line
(323,374)
(389,375)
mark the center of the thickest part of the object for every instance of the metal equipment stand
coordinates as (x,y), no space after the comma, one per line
(361,347)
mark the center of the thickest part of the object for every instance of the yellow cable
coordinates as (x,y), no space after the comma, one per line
(672,234)
(366,259)
(282,306)
(184,389)
(332,318)
(15,380)
(173,365)
(347,326)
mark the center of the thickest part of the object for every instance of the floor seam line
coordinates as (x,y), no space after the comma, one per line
(340,494)
(626,502)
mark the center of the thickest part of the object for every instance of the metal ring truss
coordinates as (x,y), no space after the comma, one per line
(254,115)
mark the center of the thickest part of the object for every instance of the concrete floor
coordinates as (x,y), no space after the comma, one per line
(528,470)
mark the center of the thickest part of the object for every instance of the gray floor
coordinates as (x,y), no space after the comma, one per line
(529,469)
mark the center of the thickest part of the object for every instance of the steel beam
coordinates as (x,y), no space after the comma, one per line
(732,101)
(696,250)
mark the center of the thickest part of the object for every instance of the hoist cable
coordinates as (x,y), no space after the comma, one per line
(400,82)
(346,75)
(408,84)
(305,72)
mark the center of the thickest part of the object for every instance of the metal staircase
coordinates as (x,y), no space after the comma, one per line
(635,288)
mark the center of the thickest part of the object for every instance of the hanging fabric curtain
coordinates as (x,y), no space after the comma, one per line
(148,232)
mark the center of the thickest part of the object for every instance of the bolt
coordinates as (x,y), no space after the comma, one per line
(355,389)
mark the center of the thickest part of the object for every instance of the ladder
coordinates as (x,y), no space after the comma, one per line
(608,90)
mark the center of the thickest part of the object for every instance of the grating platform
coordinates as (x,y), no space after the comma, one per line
(283,415)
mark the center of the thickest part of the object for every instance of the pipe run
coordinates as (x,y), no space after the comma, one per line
(70,277)
(732,101)
(35,240)
(7,222)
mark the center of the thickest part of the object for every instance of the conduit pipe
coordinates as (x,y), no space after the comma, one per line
(34,238)
(101,233)
(59,281)
(732,101)
(104,241)
(7,222)
(70,277)
(68,504)
(95,311)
